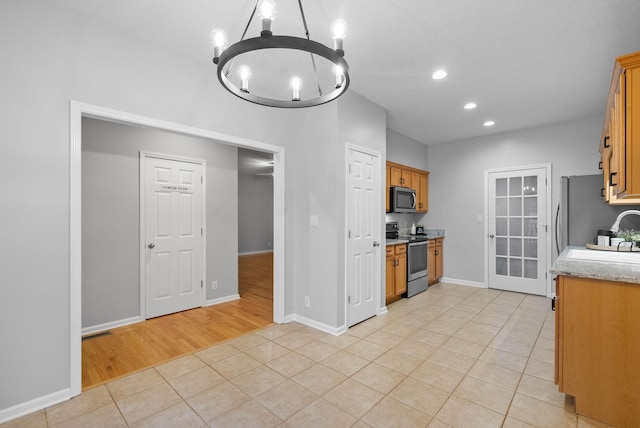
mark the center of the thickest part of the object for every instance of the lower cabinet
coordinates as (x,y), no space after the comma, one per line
(434,260)
(597,349)
(396,281)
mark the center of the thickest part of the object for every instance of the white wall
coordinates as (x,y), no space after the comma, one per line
(110,215)
(406,151)
(456,182)
(52,56)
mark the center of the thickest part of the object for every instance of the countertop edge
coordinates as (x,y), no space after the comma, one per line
(606,271)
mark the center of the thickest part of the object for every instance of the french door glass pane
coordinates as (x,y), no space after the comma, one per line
(515,186)
(516,226)
(531,269)
(530,185)
(501,266)
(501,187)
(501,226)
(515,267)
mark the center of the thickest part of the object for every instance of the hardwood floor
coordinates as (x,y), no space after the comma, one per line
(131,348)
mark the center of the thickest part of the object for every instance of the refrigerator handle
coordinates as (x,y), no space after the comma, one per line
(557,228)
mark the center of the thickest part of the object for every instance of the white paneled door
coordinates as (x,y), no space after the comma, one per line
(518,230)
(364,229)
(173,244)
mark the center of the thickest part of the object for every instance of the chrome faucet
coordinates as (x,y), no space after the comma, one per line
(616,226)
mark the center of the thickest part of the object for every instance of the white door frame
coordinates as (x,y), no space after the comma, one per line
(78,110)
(547,167)
(380,310)
(143,221)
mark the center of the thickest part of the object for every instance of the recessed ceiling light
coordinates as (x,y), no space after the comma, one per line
(439,74)
(489,123)
(470,106)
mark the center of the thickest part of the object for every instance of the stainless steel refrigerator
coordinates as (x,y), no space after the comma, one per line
(582,211)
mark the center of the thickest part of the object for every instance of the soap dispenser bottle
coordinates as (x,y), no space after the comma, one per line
(413,228)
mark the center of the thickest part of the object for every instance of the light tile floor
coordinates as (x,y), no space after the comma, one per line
(453,356)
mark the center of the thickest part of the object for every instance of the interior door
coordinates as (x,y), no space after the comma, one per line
(518,230)
(364,225)
(174,231)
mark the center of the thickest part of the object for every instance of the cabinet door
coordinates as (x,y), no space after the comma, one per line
(423,193)
(401,273)
(395,176)
(406,178)
(390,281)
(431,262)
(439,258)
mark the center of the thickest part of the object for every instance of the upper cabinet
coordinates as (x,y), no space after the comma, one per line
(413,178)
(620,143)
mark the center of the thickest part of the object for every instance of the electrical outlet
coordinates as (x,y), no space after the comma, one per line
(307,302)
(214,285)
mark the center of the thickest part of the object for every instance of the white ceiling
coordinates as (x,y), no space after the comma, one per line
(524,62)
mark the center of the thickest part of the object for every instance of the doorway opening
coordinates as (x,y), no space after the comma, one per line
(80,110)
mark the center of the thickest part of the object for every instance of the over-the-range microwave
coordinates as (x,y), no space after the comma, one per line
(403,200)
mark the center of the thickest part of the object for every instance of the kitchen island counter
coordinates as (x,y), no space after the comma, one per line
(607,271)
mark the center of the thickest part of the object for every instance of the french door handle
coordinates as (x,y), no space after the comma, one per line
(492,236)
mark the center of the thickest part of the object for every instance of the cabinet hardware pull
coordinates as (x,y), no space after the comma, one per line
(600,165)
(606,146)
(553,304)
(611,175)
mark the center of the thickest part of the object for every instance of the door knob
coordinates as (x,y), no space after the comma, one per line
(151,245)
(492,236)
(376,244)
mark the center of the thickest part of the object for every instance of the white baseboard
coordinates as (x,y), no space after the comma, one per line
(248,253)
(464,282)
(222,300)
(335,331)
(34,405)
(383,310)
(109,325)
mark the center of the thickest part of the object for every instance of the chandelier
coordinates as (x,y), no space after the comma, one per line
(325,65)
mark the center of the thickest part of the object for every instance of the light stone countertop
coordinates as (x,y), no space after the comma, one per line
(396,241)
(608,271)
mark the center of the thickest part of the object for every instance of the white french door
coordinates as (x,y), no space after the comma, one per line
(518,229)
(173,235)
(363,247)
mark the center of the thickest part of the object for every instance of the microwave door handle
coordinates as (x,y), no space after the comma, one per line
(413,198)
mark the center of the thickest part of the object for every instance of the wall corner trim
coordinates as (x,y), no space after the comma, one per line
(335,331)
(34,405)
(222,300)
(109,325)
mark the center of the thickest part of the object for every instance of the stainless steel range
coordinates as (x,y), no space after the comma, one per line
(417,280)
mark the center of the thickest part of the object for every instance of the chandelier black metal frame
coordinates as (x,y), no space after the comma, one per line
(225,56)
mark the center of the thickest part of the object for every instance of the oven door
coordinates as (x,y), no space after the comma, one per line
(417,263)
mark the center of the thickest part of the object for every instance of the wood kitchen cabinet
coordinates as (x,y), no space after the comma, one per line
(597,350)
(620,142)
(396,281)
(405,176)
(434,260)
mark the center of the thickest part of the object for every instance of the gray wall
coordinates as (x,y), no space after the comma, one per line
(456,182)
(51,56)
(255,213)
(110,215)
(406,151)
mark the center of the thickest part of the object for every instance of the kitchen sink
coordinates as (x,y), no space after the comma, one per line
(603,256)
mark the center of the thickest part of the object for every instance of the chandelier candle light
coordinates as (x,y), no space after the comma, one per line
(224,56)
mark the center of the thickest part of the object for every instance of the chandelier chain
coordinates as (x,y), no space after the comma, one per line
(244,33)
(313,60)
